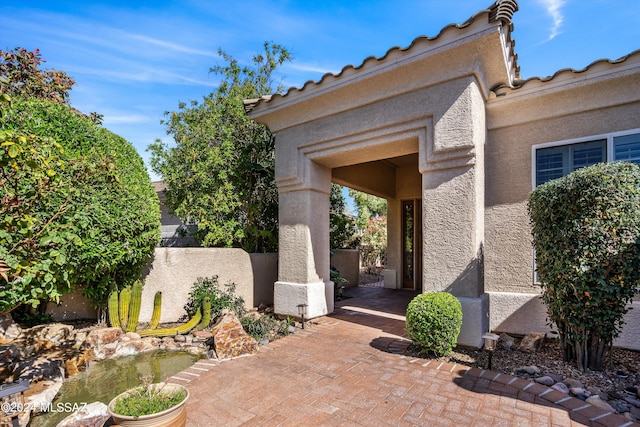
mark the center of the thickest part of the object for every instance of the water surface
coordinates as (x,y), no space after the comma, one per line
(104,380)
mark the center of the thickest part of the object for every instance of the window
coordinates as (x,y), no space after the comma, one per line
(555,160)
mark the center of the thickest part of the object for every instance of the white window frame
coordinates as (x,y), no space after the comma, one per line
(607,136)
(609,153)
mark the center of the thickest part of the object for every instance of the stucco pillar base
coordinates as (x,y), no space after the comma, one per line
(318,296)
(475,320)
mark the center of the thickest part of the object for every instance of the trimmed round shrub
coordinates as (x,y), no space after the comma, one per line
(433,322)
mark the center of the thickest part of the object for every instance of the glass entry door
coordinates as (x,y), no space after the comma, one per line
(412,244)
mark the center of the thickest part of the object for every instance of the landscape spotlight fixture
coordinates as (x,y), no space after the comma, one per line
(490,341)
(302,310)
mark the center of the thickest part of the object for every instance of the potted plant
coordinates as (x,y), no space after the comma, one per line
(149,405)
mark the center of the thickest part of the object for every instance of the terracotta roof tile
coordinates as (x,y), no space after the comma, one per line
(565,71)
(501,10)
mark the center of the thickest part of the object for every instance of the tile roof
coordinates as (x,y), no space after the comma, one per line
(501,10)
(565,72)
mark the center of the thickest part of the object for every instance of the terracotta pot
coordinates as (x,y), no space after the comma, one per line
(176,416)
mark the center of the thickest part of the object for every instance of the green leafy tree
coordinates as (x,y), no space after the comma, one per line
(220,173)
(586,234)
(24,77)
(373,244)
(342,228)
(80,201)
(368,206)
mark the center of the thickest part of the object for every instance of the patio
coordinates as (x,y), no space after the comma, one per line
(349,369)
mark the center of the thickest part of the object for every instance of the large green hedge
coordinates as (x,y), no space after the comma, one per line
(586,233)
(115,206)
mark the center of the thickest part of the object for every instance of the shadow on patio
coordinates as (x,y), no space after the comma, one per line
(379,308)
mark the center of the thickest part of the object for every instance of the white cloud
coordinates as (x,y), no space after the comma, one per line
(311,68)
(553,10)
(172,46)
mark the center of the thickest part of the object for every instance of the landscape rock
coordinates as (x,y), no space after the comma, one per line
(103,342)
(507,342)
(532,341)
(555,377)
(130,347)
(531,370)
(9,330)
(580,393)
(132,336)
(632,401)
(599,403)
(42,399)
(230,340)
(202,335)
(9,354)
(38,369)
(597,392)
(620,406)
(571,383)
(92,415)
(546,380)
(55,333)
(73,363)
(635,412)
(561,387)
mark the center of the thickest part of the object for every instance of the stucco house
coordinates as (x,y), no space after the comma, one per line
(449,134)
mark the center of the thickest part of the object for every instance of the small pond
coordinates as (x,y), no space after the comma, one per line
(104,380)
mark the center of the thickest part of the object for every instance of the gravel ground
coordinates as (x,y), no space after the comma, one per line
(622,370)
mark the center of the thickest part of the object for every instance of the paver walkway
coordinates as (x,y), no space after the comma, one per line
(348,369)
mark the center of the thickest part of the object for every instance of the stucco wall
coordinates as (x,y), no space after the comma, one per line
(174,270)
(514,126)
(72,306)
(347,262)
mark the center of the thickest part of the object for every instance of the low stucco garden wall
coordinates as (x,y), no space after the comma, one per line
(174,270)
(509,309)
(347,262)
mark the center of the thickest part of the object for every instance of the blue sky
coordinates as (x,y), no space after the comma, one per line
(134,60)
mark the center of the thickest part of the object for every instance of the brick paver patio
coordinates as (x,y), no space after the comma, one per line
(348,369)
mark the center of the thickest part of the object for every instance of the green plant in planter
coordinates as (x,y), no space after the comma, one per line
(148,400)
(433,322)
(150,404)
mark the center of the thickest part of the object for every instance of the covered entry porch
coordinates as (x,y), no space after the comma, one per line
(409,127)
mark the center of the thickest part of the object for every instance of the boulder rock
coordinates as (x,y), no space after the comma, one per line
(9,330)
(580,393)
(103,342)
(75,362)
(56,333)
(230,340)
(134,346)
(37,369)
(546,380)
(507,342)
(44,397)
(531,370)
(632,401)
(532,341)
(599,403)
(9,354)
(572,383)
(92,415)
(561,387)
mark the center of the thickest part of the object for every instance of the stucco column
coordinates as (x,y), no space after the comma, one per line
(303,260)
(452,168)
